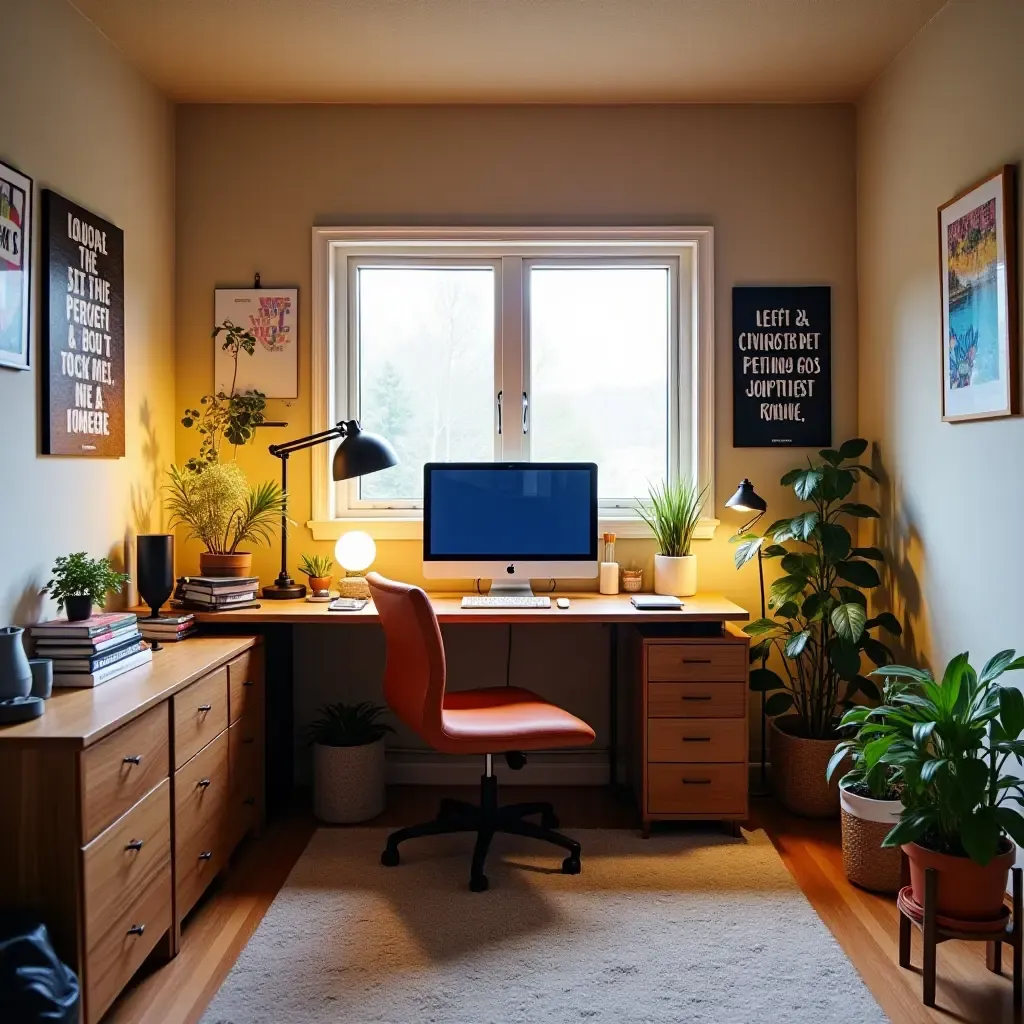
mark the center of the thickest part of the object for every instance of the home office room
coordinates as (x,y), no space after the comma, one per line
(509,512)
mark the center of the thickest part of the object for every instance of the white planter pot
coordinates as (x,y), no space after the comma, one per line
(865,824)
(676,577)
(348,782)
(885,812)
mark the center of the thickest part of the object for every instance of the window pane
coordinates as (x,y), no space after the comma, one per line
(426,369)
(599,392)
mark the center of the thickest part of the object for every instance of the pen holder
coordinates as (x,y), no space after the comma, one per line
(632,580)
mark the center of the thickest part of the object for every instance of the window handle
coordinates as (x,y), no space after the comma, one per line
(500,393)
(526,413)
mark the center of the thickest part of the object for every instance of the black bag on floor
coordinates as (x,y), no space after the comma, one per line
(34,984)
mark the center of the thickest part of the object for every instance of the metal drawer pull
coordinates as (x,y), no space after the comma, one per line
(696,739)
(696,661)
(703,696)
(205,707)
(135,844)
(202,783)
(136,929)
(206,855)
(248,682)
(696,782)
(132,759)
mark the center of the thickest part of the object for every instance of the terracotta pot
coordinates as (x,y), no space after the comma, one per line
(238,564)
(967,891)
(319,583)
(798,770)
(78,607)
(866,822)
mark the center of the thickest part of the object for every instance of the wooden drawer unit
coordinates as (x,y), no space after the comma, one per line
(245,685)
(119,771)
(201,789)
(200,714)
(692,790)
(702,662)
(696,700)
(696,739)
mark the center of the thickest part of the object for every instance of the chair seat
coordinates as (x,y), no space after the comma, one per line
(502,718)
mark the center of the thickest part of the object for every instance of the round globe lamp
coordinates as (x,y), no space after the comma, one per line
(355,552)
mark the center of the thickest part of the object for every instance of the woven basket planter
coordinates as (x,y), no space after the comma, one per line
(866,823)
(348,782)
(798,770)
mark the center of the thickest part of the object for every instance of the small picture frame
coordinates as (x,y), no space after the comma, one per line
(15,267)
(271,315)
(978,286)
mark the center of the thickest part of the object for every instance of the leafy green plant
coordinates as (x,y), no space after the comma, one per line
(348,725)
(316,566)
(78,575)
(226,416)
(820,624)
(221,509)
(950,742)
(672,511)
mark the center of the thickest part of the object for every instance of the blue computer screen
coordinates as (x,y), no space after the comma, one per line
(513,511)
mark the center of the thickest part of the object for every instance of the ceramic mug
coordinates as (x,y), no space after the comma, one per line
(42,677)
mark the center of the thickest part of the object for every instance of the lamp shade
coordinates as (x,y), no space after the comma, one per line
(361,452)
(746,499)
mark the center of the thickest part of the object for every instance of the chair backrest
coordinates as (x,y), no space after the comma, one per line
(414,675)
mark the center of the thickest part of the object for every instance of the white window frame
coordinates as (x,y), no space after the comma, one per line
(511,251)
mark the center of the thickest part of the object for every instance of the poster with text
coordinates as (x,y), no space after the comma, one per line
(782,367)
(83,327)
(269,315)
(15,266)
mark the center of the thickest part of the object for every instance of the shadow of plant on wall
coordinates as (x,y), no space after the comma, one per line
(145,495)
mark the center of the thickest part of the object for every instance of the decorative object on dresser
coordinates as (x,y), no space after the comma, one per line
(16,267)
(42,677)
(359,453)
(93,651)
(355,552)
(268,316)
(318,569)
(79,582)
(17,704)
(154,555)
(608,570)
(818,628)
(216,593)
(690,724)
(172,750)
(348,762)
(168,628)
(672,511)
(632,580)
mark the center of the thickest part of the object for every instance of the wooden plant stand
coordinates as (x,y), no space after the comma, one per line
(1007,930)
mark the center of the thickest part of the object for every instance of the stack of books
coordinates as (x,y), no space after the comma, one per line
(91,651)
(217,593)
(168,629)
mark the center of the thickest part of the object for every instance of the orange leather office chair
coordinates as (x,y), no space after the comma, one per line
(496,720)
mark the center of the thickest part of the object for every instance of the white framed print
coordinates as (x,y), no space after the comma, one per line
(270,315)
(15,266)
(978,280)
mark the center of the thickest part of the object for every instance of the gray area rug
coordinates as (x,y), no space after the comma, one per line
(677,928)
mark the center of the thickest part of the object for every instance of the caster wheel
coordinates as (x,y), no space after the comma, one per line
(389,858)
(549,821)
(478,883)
(571,865)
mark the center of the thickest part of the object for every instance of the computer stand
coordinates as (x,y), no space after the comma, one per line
(515,588)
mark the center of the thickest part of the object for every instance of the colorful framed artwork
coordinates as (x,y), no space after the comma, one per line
(15,266)
(270,315)
(980,339)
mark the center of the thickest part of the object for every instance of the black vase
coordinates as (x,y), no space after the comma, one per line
(154,568)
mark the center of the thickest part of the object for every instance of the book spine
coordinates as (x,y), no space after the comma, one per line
(86,679)
(232,599)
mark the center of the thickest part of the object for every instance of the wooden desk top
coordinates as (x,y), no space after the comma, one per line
(588,607)
(80,717)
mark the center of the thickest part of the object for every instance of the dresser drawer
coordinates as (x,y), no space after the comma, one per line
(697,739)
(696,700)
(198,859)
(127,897)
(200,713)
(712,789)
(699,662)
(245,758)
(201,790)
(119,771)
(245,684)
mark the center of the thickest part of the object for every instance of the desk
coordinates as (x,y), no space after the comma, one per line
(701,615)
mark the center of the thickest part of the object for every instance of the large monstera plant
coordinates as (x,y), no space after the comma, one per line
(819,623)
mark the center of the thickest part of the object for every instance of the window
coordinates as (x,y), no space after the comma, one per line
(513,345)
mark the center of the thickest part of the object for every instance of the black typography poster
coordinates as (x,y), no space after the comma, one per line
(782,367)
(83,296)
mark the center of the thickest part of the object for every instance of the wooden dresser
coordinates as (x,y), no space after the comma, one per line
(121,804)
(691,725)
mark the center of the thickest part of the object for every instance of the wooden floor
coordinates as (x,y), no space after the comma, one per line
(864,924)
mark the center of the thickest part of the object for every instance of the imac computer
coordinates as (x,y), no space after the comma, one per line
(510,522)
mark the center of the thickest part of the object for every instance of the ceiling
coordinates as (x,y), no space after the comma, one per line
(510,51)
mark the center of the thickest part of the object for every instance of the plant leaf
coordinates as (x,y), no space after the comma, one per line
(778,703)
(845,658)
(887,621)
(760,626)
(848,621)
(835,541)
(853,448)
(806,483)
(858,510)
(875,554)
(995,666)
(1011,710)
(746,551)
(862,574)
(803,525)
(764,680)
(796,643)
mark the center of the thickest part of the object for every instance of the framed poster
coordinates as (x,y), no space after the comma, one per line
(782,367)
(83,331)
(15,266)
(978,281)
(269,314)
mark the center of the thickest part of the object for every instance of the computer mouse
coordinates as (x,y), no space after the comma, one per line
(562,602)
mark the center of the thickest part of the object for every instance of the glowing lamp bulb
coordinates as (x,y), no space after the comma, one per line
(355,551)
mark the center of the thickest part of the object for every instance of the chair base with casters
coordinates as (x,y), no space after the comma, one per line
(485,819)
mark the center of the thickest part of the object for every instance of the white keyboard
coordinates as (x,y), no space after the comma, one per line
(486,601)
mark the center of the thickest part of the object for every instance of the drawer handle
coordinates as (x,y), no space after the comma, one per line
(205,707)
(696,661)
(249,801)
(206,855)
(135,844)
(248,682)
(703,696)
(248,739)
(136,929)
(696,739)
(202,783)
(132,759)
(696,782)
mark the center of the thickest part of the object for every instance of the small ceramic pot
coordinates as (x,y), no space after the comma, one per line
(238,564)
(78,607)
(676,577)
(318,583)
(15,671)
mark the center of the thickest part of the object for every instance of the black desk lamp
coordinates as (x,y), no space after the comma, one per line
(746,499)
(359,453)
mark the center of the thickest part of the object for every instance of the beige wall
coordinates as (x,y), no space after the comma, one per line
(776,182)
(80,120)
(945,114)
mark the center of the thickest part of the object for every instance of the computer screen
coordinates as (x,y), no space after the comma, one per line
(510,512)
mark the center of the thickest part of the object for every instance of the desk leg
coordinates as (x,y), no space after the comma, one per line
(613,705)
(280,717)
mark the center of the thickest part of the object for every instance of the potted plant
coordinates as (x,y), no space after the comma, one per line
(318,569)
(951,741)
(819,626)
(222,510)
(672,511)
(869,800)
(348,762)
(79,582)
